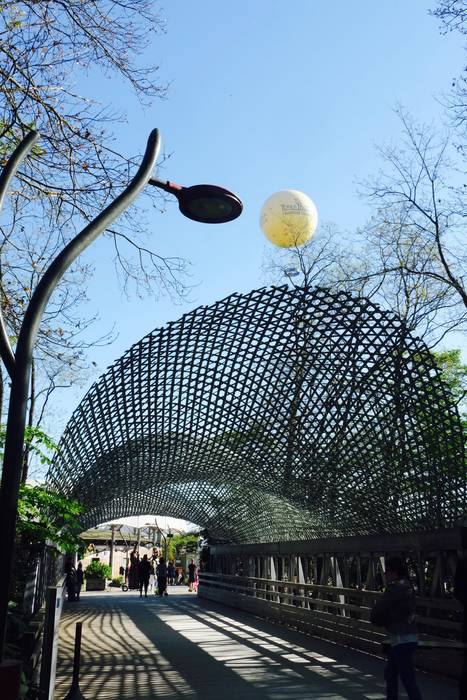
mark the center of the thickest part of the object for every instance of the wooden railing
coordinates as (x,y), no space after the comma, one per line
(339,614)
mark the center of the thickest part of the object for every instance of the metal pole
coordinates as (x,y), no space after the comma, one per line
(12,462)
(112,545)
(75,693)
(6,176)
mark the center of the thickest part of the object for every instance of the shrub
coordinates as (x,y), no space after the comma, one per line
(117,582)
(97,569)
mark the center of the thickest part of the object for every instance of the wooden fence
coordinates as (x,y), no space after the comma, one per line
(340,614)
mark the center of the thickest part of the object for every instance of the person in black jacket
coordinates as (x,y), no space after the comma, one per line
(170,573)
(191,575)
(161,574)
(395,611)
(144,572)
(70,581)
(79,579)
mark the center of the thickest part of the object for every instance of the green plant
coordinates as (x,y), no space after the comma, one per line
(178,542)
(36,441)
(117,581)
(98,569)
(44,515)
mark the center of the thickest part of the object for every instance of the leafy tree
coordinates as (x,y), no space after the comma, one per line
(36,443)
(454,373)
(179,542)
(46,516)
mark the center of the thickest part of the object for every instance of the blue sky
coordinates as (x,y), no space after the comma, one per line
(265,96)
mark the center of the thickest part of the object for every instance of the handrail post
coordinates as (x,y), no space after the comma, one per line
(75,693)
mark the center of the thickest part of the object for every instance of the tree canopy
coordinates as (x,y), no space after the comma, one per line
(43,514)
(46,516)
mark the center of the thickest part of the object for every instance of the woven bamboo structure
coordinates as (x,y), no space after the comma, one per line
(276,415)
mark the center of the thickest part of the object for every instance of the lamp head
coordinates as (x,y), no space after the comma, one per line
(208,204)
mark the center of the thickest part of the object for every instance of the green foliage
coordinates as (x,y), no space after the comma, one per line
(44,515)
(36,441)
(98,569)
(179,542)
(454,374)
(10,136)
(116,582)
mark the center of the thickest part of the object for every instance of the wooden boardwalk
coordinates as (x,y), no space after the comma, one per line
(183,647)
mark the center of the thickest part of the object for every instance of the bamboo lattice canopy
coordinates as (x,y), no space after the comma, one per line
(281,414)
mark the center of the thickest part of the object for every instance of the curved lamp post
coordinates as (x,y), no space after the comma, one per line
(204,203)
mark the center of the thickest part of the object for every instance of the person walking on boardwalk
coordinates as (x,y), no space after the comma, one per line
(133,575)
(161,574)
(179,576)
(70,581)
(395,611)
(170,573)
(152,576)
(144,572)
(191,575)
(79,579)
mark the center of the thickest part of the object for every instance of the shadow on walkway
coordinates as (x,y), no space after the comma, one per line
(184,647)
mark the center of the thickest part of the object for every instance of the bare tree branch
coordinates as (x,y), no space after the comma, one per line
(75,169)
(410,256)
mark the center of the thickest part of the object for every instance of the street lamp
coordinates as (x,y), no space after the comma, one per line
(204,203)
(208,204)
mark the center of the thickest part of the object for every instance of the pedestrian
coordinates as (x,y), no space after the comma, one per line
(179,576)
(161,573)
(152,577)
(191,575)
(170,573)
(196,582)
(70,581)
(395,611)
(133,575)
(144,572)
(79,579)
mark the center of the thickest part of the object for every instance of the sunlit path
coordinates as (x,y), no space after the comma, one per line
(183,647)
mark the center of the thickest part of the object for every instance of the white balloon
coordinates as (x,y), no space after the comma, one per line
(289,218)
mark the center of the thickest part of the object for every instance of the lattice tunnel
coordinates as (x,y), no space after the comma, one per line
(280,414)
